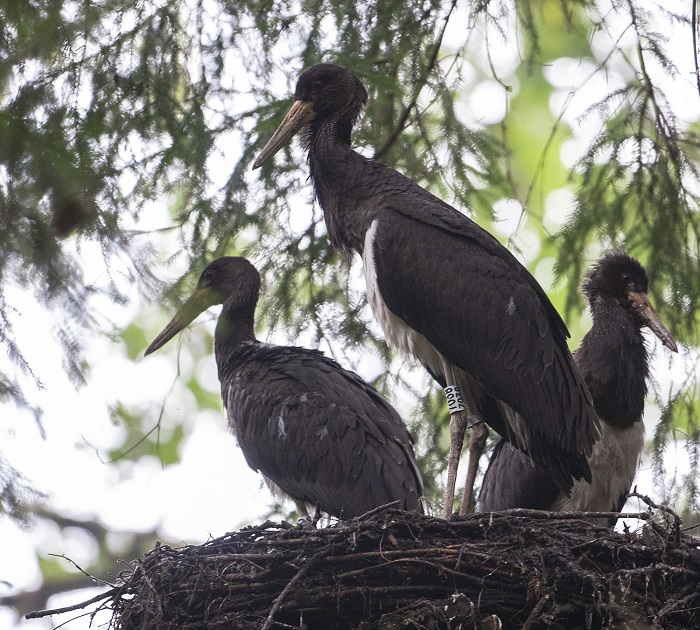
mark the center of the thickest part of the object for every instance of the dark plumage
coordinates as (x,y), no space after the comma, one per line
(613,360)
(317,432)
(444,290)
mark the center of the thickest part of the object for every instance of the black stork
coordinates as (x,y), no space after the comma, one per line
(614,362)
(444,290)
(318,433)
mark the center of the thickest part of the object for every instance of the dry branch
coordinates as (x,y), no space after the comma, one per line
(396,570)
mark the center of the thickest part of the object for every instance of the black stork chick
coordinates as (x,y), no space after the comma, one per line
(614,362)
(319,434)
(444,290)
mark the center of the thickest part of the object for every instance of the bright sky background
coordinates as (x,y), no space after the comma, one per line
(212,490)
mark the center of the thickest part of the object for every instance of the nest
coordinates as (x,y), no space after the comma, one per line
(392,569)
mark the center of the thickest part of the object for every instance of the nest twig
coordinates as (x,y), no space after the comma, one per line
(520,568)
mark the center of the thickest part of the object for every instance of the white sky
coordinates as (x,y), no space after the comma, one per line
(212,490)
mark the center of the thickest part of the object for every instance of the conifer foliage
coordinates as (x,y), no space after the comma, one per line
(108,106)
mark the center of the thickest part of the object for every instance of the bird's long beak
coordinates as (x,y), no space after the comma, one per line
(299,114)
(197,303)
(642,306)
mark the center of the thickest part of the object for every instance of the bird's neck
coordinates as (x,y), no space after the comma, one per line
(235,327)
(616,364)
(345,185)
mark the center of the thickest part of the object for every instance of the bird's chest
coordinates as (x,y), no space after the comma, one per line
(254,394)
(615,369)
(348,207)
(397,333)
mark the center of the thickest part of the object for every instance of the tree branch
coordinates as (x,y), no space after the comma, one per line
(418,88)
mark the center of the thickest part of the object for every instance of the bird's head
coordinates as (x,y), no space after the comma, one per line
(322,92)
(229,280)
(622,279)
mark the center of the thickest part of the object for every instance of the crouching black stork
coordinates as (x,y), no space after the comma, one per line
(444,290)
(319,434)
(614,362)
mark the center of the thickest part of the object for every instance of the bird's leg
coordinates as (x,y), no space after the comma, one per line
(458,425)
(477,445)
(317,515)
(302,509)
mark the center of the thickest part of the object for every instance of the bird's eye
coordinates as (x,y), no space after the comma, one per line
(626,277)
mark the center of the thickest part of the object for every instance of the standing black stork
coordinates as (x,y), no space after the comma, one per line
(614,363)
(444,290)
(319,434)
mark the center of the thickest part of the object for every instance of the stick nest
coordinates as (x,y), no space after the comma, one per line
(392,569)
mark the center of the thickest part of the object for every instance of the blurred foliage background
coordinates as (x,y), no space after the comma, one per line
(564,127)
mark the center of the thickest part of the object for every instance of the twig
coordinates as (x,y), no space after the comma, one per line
(646,499)
(381,508)
(563,516)
(695,42)
(83,571)
(676,518)
(673,605)
(379,153)
(38,614)
(299,574)
(532,617)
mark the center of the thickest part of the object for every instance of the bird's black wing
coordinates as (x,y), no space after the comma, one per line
(455,284)
(513,480)
(319,432)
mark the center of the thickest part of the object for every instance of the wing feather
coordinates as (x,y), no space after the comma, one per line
(513,480)
(480,308)
(319,432)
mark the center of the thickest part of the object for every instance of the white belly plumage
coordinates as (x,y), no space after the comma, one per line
(613,463)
